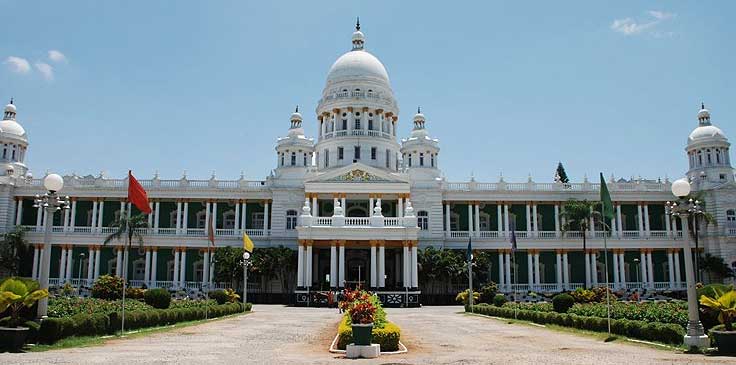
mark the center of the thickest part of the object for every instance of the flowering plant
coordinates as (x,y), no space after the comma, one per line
(360,306)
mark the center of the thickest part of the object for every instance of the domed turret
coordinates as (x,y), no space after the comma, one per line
(708,153)
(294,150)
(14,143)
(357,115)
(419,151)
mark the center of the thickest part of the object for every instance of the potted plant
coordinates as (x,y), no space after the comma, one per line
(722,303)
(361,317)
(15,295)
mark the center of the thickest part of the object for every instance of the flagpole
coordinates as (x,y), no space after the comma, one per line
(470,272)
(608,289)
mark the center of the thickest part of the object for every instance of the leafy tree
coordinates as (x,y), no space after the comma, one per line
(560,174)
(14,252)
(275,263)
(577,214)
(441,266)
(128,229)
(715,266)
(228,264)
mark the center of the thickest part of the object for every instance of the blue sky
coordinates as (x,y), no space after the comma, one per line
(511,87)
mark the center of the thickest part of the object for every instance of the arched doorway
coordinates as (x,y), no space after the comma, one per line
(357,209)
(357,267)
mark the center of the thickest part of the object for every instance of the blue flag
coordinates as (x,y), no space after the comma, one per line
(469,252)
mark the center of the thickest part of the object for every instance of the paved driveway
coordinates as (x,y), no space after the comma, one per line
(434,335)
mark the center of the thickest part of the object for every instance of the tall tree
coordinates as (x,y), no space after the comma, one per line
(560,174)
(127,229)
(715,267)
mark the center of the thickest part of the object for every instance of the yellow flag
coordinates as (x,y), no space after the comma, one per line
(247,243)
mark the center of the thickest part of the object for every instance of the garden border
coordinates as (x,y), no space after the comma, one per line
(335,350)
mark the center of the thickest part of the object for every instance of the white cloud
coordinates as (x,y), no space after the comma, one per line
(629,26)
(46,70)
(18,64)
(57,56)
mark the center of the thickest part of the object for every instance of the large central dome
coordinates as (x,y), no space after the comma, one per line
(357,64)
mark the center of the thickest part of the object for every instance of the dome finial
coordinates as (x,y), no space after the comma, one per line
(11,100)
(297,109)
(357,24)
(419,110)
(702,105)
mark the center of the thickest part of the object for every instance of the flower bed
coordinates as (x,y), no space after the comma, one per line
(362,307)
(96,324)
(387,336)
(653,331)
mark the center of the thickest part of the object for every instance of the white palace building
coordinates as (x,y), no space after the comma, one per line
(357,203)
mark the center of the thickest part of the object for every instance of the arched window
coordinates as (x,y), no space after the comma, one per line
(293,159)
(454,221)
(198,270)
(423,220)
(139,269)
(201,218)
(707,155)
(431,156)
(700,158)
(485,221)
(228,220)
(291,219)
(421,159)
(172,219)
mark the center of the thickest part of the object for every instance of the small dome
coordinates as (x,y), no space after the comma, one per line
(357,64)
(419,116)
(703,114)
(10,108)
(358,36)
(706,132)
(296,115)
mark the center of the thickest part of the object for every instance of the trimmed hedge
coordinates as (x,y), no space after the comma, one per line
(388,336)
(54,329)
(650,331)
(159,298)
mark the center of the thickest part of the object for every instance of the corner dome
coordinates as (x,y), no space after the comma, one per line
(357,64)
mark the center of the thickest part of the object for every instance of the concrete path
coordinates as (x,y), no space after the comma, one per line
(434,335)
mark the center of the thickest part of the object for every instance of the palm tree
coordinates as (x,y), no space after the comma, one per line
(577,215)
(130,228)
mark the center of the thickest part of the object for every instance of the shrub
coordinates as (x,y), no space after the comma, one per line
(583,295)
(388,336)
(220,296)
(462,297)
(487,292)
(562,302)
(67,307)
(135,293)
(499,300)
(158,298)
(108,287)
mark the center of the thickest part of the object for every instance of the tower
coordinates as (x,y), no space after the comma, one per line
(14,143)
(295,151)
(708,154)
(420,152)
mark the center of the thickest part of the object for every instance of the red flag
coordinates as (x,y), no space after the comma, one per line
(211,231)
(137,195)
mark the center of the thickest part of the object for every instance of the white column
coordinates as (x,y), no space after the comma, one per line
(535,226)
(381,265)
(97,262)
(147,268)
(101,215)
(343,204)
(333,266)
(641,219)
(619,222)
(300,266)
(594,268)
(183,267)
(62,265)
(177,259)
(507,266)
(448,228)
(214,216)
(206,268)
(314,274)
(156,217)
(119,262)
(557,220)
(414,266)
(506,219)
(341,277)
(477,220)
(671,268)
(537,281)
(565,271)
(69,263)
(39,217)
(407,273)
(178,218)
(501,271)
(308,274)
(315,211)
(643,268)
(558,267)
(592,224)
(34,272)
(668,226)
(91,265)
(646,220)
(470,219)
(150,217)
(528,220)
(400,206)
(616,283)
(499,214)
(237,218)
(530,269)
(587,269)
(374,267)
(122,208)
(65,222)
(207,217)
(154,267)
(650,268)
(93,224)
(185,219)
(678,278)
(371,205)
(266,216)
(19,212)
(622,270)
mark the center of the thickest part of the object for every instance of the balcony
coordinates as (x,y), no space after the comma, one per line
(188,232)
(339,227)
(556,235)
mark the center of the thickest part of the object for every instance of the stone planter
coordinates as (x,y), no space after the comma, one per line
(362,334)
(725,341)
(13,338)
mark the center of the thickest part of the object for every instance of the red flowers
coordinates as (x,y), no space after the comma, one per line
(358,305)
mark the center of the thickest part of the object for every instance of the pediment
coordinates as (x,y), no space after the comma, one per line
(358,173)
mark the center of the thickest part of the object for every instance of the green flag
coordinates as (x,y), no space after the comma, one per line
(606,200)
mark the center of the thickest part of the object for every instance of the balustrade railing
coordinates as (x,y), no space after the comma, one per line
(488,234)
(357,221)
(391,222)
(533,186)
(322,221)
